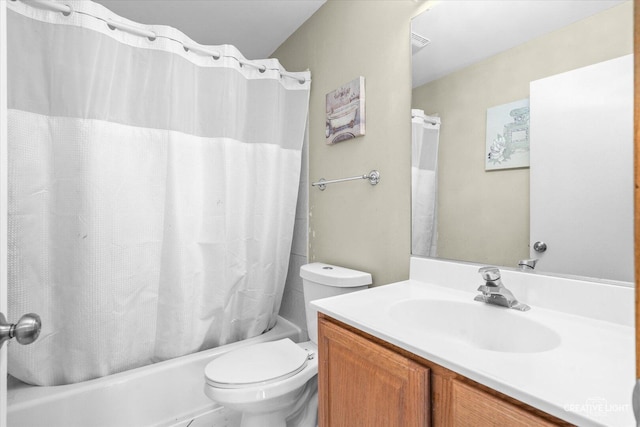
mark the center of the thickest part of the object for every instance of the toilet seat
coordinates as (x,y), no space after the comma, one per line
(257,364)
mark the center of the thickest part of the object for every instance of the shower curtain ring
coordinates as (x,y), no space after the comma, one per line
(68,12)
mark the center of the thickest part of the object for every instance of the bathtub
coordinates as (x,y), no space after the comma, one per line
(343,116)
(165,394)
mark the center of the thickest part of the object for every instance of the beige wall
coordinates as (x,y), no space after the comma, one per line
(355,224)
(484,216)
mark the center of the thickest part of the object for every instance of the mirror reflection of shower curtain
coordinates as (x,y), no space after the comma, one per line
(425,134)
(152,193)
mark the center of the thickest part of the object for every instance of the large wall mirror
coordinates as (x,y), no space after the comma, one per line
(523,135)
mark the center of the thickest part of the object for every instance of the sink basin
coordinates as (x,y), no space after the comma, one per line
(476,324)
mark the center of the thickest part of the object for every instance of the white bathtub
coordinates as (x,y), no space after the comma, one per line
(169,393)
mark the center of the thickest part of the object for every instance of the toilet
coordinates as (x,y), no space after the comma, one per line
(275,382)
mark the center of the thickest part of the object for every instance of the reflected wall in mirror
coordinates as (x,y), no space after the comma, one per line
(470,65)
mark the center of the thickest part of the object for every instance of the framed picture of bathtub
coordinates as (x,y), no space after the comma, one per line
(345,112)
(507,141)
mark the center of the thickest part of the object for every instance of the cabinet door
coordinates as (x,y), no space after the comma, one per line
(364,384)
(472,407)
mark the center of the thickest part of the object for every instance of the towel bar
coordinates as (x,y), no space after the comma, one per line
(373,177)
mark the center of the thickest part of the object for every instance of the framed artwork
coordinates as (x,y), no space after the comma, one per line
(345,115)
(507,141)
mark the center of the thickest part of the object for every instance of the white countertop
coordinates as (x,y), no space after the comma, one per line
(586,380)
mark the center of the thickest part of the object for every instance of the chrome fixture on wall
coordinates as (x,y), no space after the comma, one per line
(373,177)
(539,246)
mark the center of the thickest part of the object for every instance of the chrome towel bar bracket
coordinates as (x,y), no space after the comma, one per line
(373,177)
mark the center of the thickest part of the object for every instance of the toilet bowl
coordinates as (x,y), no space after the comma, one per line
(275,382)
(264,381)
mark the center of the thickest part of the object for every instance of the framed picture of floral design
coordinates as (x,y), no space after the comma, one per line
(345,118)
(507,142)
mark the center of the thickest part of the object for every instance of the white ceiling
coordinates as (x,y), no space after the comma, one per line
(256,27)
(463,32)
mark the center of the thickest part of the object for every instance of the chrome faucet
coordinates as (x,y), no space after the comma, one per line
(527,264)
(494,292)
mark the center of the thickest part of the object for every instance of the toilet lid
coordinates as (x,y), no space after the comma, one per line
(254,364)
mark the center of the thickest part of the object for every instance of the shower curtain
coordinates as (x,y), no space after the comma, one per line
(153,186)
(425,135)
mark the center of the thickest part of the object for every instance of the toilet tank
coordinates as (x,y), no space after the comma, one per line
(321,280)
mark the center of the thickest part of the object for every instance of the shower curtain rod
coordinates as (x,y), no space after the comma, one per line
(67,10)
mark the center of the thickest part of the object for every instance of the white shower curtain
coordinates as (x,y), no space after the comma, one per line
(425,135)
(152,192)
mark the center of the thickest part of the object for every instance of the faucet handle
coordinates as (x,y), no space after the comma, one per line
(484,289)
(490,274)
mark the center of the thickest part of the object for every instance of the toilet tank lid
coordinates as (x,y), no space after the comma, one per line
(333,275)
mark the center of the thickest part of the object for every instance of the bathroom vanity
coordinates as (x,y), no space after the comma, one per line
(403,389)
(423,352)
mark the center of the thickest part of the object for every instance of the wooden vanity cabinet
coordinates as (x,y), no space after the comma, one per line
(362,383)
(365,381)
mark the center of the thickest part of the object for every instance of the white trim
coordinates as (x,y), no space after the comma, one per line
(3,203)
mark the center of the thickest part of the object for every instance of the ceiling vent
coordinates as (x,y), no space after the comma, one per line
(418,42)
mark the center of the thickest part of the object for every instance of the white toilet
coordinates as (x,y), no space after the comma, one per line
(270,383)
